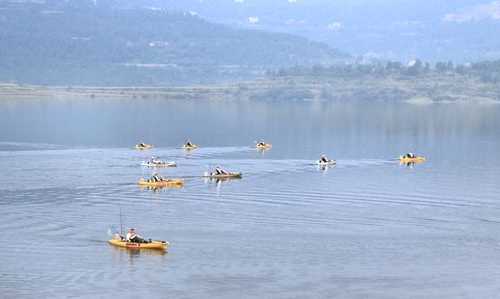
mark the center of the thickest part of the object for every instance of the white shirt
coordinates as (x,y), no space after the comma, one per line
(130,236)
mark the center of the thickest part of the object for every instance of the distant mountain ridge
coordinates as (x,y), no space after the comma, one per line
(437,30)
(79,43)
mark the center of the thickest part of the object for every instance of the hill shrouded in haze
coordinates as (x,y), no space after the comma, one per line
(458,30)
(78,43)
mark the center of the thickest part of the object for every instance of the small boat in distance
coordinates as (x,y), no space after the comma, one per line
(220,173)
(143,146)
(154,244)
(261,145)
(411,158)
(188,145)
(155,162)
(158,181)
(324,161)
(231,175)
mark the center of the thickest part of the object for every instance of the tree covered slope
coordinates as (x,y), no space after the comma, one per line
(83,44)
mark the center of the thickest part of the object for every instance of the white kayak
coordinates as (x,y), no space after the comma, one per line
(159,164)
(323,163)
(229,175)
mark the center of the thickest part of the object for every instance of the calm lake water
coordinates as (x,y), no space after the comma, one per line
(367,228)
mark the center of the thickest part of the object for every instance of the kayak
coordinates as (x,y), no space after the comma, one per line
(155,244)
(143,147)
(159,164)
(264,146)
(329,162)
(231,175)
(163,183)
(417,159)
(189,147)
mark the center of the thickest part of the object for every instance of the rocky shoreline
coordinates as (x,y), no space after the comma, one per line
(420,90)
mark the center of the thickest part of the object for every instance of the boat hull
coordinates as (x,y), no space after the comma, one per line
(329,163)
(404,160)
(188,148)
(158,165)
(264,147)
(165,183)
(156,245)
(234,175)
(141,148)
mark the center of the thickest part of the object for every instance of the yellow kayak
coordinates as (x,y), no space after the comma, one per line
(162,183)
(189,147)
(143,147)
(264,146)
(158,245)
(417,159)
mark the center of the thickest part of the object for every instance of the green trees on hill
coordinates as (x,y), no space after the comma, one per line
(486,71)
(71,43)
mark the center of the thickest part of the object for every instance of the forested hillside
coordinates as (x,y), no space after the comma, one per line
(83,44)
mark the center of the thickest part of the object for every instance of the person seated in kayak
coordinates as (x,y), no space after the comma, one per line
(142,144)
(220,171)
(189,144)
(261,143)
(156,178)
(133,237)
(409,156)
(323,159)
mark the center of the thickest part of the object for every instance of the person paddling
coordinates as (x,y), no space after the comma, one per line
(156,178)
(188,143)
(220,171)
(133,237)
(324,159)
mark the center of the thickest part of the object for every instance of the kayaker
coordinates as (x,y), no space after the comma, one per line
(409,155)
(156,177)
(261,144)
(132,236)
(188,143)
(142,144)
(219,171)
(324,159)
